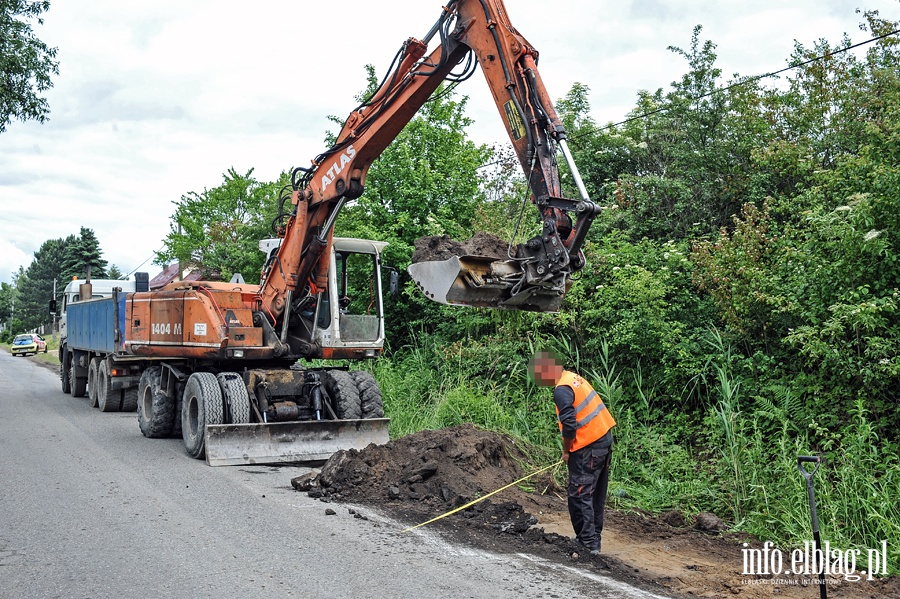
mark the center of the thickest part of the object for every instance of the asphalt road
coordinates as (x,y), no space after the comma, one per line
(89,508)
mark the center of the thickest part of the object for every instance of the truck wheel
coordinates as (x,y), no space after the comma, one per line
(156,411)
(202,405)
(92,381)
(369,394)
(179,402)
(107,399)
(77,384)
(236,396)
(129,399)
(64,372)
(344,395)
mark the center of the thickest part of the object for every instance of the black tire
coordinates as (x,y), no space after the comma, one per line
(156,411)
(202,406)
(129,399)
(77,384)
(92,381)
(236,398)
(369,394)
(107,399)
(179,401)
(344,395)
(64,372)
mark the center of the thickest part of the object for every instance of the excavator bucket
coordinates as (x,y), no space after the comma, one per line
(485,282)
(285,442)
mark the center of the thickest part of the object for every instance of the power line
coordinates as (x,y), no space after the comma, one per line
(142,263)
(750,80)
(726,88)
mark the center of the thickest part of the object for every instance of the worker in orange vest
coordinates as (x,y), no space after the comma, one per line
(586,427)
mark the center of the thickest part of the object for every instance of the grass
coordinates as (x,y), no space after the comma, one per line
(51,357)
(738,459)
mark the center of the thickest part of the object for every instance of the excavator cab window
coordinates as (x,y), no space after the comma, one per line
(324,310)
(356,286)
(359,305)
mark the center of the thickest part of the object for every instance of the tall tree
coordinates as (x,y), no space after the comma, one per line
(114,273)
(218,230)
(682,163)
(7,296)
(26,63)
(9,305)
(811,279)
(84,258)
(36,287)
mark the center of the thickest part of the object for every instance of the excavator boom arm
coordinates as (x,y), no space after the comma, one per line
(466,28)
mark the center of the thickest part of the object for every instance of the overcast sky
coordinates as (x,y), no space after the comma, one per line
(156,99)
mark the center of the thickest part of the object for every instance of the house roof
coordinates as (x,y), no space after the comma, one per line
(168,275)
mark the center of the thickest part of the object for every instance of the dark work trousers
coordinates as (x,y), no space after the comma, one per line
(588,482)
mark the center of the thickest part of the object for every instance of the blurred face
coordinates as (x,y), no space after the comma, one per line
(545,369)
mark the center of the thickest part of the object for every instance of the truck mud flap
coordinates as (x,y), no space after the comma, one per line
(285,442)
(483,282)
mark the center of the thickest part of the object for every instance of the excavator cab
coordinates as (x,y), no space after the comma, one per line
(345,320)
(308,413)
(350,313)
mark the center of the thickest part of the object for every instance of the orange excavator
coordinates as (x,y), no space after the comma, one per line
(219,362)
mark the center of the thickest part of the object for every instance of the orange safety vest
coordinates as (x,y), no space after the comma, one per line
(592,419)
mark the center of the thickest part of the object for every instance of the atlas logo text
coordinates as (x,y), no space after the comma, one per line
(337,166)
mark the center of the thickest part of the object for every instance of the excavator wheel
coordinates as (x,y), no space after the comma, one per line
(129,399)
(179,402)
(344,394)
(156,411)
(202,405)
(369,394)
(237,399)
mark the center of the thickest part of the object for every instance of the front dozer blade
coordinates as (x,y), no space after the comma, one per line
(485,282)
(283,442)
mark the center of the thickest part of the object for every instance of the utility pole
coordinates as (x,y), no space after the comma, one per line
(180,273)
(53,323)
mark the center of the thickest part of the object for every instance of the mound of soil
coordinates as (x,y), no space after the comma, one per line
(442,468)
(441,247)
(422,476)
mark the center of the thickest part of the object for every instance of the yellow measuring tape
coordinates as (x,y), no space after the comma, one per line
(471,503)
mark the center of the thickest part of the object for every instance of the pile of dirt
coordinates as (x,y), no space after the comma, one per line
(441,247)
(442,468)
(430,473)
